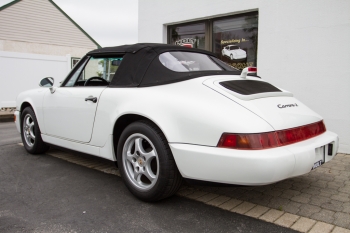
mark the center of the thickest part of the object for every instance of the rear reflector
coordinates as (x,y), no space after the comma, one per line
(259,141)
(252,69)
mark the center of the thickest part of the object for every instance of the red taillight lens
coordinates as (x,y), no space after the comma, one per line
(271,139)
(248,141)
(302,133)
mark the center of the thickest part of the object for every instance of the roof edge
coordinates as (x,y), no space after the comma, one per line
(70,19)
(9,4)
(64,13)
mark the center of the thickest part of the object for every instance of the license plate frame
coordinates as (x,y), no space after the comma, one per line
(319,157)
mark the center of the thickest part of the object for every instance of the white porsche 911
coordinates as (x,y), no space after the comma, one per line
(234,52)
(167,112)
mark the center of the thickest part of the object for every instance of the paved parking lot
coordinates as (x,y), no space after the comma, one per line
(316,202)
(43,193)
(323,194)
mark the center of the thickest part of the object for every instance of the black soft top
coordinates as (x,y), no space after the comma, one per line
(141,66)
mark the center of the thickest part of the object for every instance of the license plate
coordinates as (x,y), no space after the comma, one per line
(319,154)
(317,164)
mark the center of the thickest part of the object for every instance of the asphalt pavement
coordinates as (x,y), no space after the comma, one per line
(41,193)
(8,133)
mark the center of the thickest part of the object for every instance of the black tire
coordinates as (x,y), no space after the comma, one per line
(168,179)
(36,145)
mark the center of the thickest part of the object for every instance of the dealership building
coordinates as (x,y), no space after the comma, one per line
(300,46)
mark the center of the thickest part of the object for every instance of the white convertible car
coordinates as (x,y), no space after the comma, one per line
(167,112)
(234,52)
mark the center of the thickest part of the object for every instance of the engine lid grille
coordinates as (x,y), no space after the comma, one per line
(249,87)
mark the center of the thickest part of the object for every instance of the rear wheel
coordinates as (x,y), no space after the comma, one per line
(30,133)
(146,162)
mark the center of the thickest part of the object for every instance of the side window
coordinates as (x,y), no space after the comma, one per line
(76,74)
(97,72)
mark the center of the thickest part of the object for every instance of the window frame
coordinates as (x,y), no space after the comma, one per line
(83,62)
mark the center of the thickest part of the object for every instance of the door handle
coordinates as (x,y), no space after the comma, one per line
(90,98)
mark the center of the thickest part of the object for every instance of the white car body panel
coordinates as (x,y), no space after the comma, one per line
(35,99)
(190,108)
(81,147)
(265,105)
(67,115)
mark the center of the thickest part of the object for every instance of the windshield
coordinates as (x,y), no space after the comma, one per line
(234,47)
(187,61)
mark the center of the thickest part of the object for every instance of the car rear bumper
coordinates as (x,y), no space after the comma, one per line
(251,167)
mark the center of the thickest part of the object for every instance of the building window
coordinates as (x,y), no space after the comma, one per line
(192,35)
(234,39)
(74,61)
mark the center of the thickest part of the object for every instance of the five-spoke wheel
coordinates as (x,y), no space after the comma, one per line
(29,130)
(146,162)
(141,162)
(30,133)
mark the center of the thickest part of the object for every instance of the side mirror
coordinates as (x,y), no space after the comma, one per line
(48,82)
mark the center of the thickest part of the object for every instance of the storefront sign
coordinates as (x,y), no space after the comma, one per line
(187,42)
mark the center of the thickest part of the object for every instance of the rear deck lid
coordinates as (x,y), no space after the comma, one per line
(276,106)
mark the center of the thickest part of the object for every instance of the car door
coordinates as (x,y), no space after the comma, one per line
(69,112)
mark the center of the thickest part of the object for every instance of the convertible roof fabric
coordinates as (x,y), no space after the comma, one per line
(141,66)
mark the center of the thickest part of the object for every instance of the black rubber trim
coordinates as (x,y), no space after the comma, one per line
(249,87)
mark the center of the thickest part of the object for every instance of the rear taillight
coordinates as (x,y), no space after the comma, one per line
(248,141)
(259,141)
(289,136)
(252,69)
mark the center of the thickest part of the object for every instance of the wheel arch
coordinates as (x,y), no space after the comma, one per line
(24,105)
(123,121)
(28,102)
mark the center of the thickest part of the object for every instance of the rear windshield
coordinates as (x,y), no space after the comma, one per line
(187,62)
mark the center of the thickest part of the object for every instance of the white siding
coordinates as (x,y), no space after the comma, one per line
(48,49)
(39,21)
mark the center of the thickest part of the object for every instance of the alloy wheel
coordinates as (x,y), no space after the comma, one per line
(140,160)
(29,130)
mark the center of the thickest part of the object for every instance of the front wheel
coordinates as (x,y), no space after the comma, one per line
(30,133)
(146,162)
